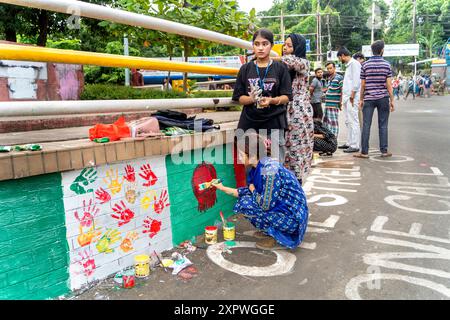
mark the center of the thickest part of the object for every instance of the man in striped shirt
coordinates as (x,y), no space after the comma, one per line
(376,93)
(333,99)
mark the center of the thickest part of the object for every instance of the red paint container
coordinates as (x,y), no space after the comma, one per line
(128,280)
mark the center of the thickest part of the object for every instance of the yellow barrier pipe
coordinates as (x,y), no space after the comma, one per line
(39,54)
(94,11)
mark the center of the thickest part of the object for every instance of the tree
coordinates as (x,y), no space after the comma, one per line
(347,20)
(432,21)
(216,15)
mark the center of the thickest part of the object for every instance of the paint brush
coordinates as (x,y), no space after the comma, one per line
(223,219)
(159,260)
(207,185)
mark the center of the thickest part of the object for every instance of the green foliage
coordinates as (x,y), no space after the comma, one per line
(115,92)
(432,25)
(212,94)
(70,44)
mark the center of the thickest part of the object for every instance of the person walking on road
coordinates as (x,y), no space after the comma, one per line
(376,93)
(396,87)
(350,100)
(410,89)
(333,99)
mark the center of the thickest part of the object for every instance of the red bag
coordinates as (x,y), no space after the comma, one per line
(115,131)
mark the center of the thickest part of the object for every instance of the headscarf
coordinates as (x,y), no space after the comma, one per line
(299,44)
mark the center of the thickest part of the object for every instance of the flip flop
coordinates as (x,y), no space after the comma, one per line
(386,155)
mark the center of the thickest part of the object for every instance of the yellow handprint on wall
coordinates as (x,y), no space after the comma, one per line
(127,243)
(148,199)
(89,237)
(114,185)
(111,236)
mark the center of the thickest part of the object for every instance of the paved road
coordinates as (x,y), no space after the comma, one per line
(379,229)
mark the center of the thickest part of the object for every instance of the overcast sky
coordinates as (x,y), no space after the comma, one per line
(261,5)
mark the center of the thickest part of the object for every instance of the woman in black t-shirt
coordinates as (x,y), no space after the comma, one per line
(264,88)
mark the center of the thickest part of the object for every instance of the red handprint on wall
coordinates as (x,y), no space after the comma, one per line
(130,175)
(163,202)
(123,214)
(89,212)
(152,227)
(102,195)
(148,175)
(87,262)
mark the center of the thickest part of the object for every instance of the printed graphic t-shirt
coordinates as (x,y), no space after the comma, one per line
(277,83)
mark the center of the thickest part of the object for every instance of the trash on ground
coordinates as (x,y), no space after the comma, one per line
(180,262)
(188,273)
(167,262)
(188,246)
(118,278)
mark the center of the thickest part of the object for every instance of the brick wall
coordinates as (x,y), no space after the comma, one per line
(33,247)
(64,230)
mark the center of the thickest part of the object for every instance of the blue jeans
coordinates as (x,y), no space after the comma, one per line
(383,109)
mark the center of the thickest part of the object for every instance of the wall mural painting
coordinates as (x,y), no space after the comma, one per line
(205,172)
(114,212)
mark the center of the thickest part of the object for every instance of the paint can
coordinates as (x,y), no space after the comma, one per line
(211,234)
(229,232)
(128,280)
(142,266)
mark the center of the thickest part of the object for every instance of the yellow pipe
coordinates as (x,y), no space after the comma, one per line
(39,54)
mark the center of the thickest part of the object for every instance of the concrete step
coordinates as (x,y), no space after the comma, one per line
(225,119)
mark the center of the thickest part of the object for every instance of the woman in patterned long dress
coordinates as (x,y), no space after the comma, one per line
(273,201)
(300,134)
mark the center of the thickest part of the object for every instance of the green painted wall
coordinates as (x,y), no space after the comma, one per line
(187,221)
(34,255)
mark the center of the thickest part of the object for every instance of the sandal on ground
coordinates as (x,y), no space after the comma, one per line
(386,155)
(361,155)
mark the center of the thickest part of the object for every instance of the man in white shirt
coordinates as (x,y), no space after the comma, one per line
(350,100)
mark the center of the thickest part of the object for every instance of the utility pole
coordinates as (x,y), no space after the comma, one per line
(126,53)
(329,34)
(414,20)
(414,41)
(282,25)
(319,34)
(373,22)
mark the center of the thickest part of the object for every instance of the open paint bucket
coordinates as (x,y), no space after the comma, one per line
(142,266)
(128,280)
(229,231)
(211,234)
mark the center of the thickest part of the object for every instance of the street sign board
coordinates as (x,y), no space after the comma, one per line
(332,56)
(395,50)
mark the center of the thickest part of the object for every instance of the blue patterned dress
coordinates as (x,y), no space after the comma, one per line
(277,206)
